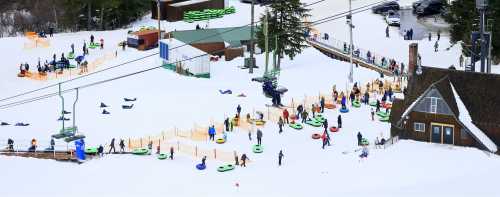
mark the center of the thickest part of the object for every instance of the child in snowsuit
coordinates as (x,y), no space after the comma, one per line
(280,125)
(259,137)
(285,116)
(304,116)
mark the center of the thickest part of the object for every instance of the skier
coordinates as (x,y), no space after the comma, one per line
(52,144)
(322,104)
(226,124)
(387,32)
(339,121)
(100,151)
(10,144)
(280,125)
(122,145)
(171,153)
(244,160)
(359,138)
(259,137)
(280,157)
(238,110)
(436,46)
(285,116)
(112,146)
(304,116)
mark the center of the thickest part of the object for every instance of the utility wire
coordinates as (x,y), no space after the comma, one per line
(25,101)
(131,61)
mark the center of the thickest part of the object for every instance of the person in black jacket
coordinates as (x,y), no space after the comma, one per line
(280,157)
(339,121)
(244,160)
(359,138)
(112,146)
(10,144)
(100,151)
(171,153)
(122,145)
(226,124)
(259,137)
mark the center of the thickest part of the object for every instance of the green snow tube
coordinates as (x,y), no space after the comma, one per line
(383,114)
(140,151)
(356,104)
(313,123)
(384,119)
(72,66)
(320,118)
(257,148)
(91,150)
(162,156)
(297,126)
(364,142)
(373,103)
(71,56)
(92,46)
(225,168)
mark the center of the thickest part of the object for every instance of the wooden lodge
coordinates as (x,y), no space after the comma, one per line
(433,107)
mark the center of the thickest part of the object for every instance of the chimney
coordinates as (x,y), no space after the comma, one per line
(413,58)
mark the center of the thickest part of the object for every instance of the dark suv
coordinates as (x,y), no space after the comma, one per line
(429,7)
(385,7)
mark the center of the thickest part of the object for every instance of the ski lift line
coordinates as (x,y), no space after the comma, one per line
(26,101)
(131,61)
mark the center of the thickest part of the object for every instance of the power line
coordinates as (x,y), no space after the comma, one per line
(13,104)
(131,61)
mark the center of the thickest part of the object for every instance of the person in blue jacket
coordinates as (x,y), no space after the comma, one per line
(343,102)
(211,133)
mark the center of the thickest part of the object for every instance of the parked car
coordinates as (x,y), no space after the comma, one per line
(393,18)
(385,7)
(430,7)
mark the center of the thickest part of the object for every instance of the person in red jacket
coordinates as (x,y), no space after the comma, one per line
(285,116)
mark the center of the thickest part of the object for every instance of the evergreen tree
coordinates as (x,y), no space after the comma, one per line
(285,22)
(464,19)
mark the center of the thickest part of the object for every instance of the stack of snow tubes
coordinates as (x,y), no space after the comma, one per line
(207,14)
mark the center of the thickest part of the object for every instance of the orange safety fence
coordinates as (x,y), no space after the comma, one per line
(92,66)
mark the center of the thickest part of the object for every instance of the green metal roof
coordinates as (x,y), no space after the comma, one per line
(231,35)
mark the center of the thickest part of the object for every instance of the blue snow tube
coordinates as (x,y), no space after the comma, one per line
(201,166)
(344,110)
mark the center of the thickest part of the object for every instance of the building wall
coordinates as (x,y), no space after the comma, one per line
(427,119)
(211,47)
(232,53)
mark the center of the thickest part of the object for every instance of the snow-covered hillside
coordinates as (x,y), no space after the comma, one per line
(166,100)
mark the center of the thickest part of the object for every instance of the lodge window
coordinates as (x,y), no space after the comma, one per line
(419,127)
(463,134)
(434,105)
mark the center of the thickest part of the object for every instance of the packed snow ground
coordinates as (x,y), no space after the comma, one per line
(166,100)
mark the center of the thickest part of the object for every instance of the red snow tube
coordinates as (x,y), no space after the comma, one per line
(316,136)
(388,105)
(330,106)
(334,129)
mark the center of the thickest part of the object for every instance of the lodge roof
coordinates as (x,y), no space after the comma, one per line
(479,92)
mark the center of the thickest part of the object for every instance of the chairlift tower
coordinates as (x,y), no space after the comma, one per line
(351,46)
(481,6)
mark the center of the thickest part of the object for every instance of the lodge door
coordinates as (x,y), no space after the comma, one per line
(436,134)
(447,135)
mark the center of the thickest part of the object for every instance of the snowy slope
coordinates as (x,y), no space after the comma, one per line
(166,100)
